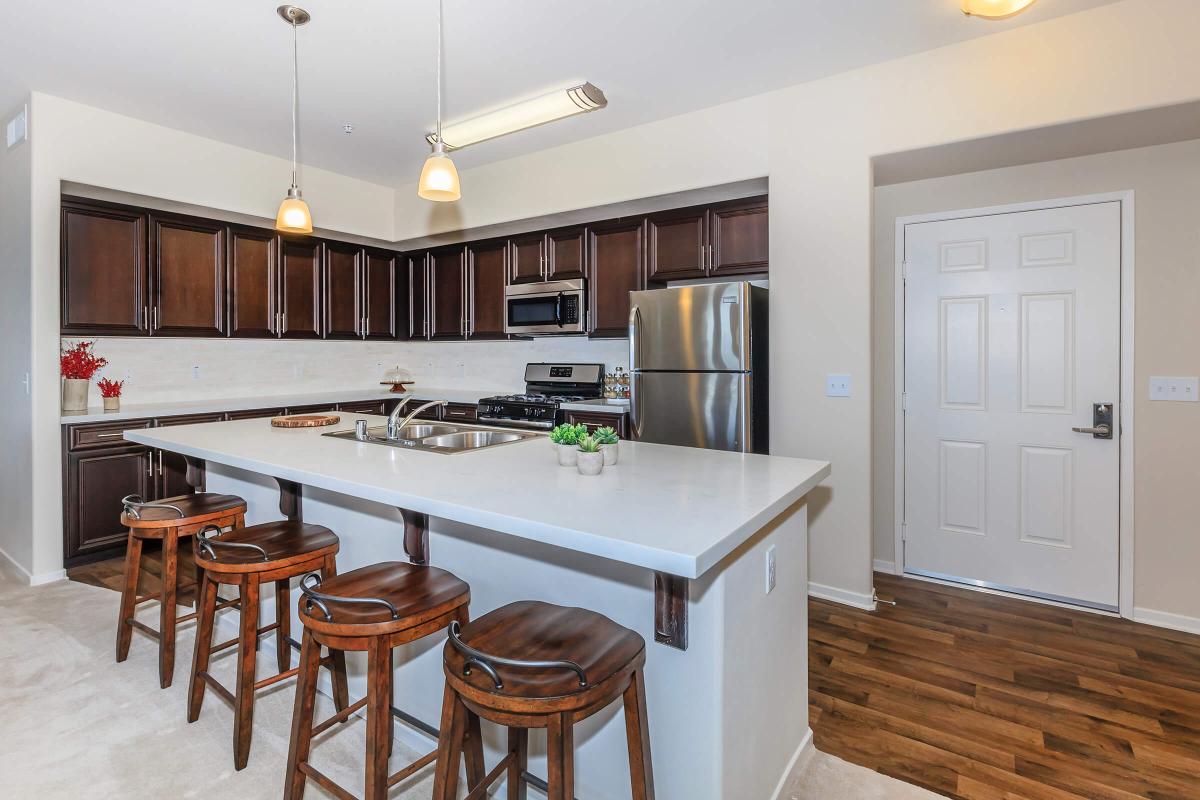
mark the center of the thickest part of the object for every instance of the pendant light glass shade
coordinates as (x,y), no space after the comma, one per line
(995,9)
(293,216)
(439,178)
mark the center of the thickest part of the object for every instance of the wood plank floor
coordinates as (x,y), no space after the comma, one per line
(982,697)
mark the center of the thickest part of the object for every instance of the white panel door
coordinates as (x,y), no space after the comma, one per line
(1011,334)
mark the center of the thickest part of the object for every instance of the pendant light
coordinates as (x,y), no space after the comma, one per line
(439,178)
(294,216)
(994,9)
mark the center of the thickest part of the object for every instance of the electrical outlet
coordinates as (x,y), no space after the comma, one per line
(770,584)
(196,372)
(297,370)
(1184,390)
(837,385)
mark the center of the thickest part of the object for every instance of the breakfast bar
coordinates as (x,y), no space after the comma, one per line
(702,552)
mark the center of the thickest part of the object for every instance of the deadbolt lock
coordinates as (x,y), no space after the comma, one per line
(1102,422)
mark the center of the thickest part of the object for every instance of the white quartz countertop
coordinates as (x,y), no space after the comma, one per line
(217,404)
(602,406)
(672,509)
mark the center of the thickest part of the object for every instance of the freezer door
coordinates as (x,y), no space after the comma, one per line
(695,328)
(694,409)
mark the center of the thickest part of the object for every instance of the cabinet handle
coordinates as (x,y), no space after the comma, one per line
(150,468)
(107,435)
(146,317)
(160,452)
(154,318)
(711,263)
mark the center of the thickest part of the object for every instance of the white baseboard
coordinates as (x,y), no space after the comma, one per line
(803,751)
(1165,619)
(33,580)
(16,567)
(843,596)
(885,566)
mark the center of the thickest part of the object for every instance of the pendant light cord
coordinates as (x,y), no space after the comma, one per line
(439,75)
(295,91)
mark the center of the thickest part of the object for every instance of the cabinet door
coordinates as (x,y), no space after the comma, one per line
(598,419)
(485,282)
(566,253)
(364,407)
(170,469)
(252,278)
(677,244)
(418,296)
(187,277)
(256,413)
(103,271)
(615,252)
(343,291)
(300,288)
(447,293)
(379,279)
(96,480)
(737,234)
(460,412)
(527,258)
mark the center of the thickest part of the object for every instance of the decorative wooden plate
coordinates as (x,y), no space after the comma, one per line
(305,421)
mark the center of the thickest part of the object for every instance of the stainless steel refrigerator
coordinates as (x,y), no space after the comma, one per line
(698,358)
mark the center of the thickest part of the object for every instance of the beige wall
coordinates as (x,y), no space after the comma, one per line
(1166,183)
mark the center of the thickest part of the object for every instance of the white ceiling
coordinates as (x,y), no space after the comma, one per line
(222,68)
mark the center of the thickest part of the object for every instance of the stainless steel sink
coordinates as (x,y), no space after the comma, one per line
(447,439)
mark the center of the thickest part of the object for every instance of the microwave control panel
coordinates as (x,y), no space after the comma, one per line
(570,309)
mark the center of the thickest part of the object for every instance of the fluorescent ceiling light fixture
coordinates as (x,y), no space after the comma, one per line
(995,9)
(577,99)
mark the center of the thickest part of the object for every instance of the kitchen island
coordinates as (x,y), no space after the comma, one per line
(672,542)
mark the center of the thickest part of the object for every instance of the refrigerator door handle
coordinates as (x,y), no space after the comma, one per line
(635,377)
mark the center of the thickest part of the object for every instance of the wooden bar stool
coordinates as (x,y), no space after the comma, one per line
(372,609)
(536,665)
(170,520)
(248,558)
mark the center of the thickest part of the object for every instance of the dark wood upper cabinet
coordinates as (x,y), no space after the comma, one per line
(300,288)
(486,264)
(344,312)
(252,277)
(447,291)
(616,252)
(677,244)
(103,271)
(567,254)
(379,300)
(738,235)
(187,276)
(527,258)
(418,295)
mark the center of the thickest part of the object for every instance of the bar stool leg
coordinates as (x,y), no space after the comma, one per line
(392,731)
(302,716)
(450,742)
(473,751)
(133,565)
(379,717)
(283,617)
(206,594)
(167,611)
(243,723)
(518,745)
(560,758)
(637,735)
(341,689)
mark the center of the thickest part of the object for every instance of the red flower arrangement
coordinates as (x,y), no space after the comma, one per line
(78,361)
(109,388)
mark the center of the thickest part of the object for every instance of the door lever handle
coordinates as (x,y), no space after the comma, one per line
(1102,431)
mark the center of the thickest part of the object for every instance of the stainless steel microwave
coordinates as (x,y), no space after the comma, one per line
(541,309)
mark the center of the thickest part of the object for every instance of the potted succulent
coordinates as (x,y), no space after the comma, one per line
(111,392)
(608,439)
(566,440)
(590,459)
(78,364)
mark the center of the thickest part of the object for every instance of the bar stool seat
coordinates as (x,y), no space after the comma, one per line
(247,558)
(414,593)
(169,520)
(537,665)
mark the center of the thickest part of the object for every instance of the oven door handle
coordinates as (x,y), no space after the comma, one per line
(517,423)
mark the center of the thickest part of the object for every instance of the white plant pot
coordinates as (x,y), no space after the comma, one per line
(75,394)
(112,404)
(568,455)
(590,463)
(610,451)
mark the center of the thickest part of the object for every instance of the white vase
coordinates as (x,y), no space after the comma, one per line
(112,404)
(568,455)
(590,463)
(610,451)
(75,394)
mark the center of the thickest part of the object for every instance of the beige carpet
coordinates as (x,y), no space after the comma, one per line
(75,724)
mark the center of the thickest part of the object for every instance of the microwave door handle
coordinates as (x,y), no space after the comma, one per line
(558,310)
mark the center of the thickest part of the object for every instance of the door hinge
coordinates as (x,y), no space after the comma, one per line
(904,271)
(904,531)
(904,402)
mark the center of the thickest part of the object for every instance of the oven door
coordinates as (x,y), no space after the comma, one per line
(554,307)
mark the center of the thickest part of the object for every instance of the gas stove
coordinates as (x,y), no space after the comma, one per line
(546,387)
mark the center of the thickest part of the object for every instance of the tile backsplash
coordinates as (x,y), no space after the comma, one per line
(168,369)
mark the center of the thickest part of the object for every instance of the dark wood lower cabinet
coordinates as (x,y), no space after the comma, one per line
(600,419)
(460,412)
(170,469)
(365,407)
(96,480)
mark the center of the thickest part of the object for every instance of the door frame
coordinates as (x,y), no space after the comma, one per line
(1125,434)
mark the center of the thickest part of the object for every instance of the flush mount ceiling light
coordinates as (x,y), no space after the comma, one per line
(439,178)
(995,9)
(294,216)
(576,99)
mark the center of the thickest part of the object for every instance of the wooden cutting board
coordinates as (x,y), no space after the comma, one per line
(305,421)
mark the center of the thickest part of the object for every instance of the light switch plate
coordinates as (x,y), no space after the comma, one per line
(1182,390)
(17,129)
(770,566)
(837,385)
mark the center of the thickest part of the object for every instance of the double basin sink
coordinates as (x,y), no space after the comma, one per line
(437,438)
